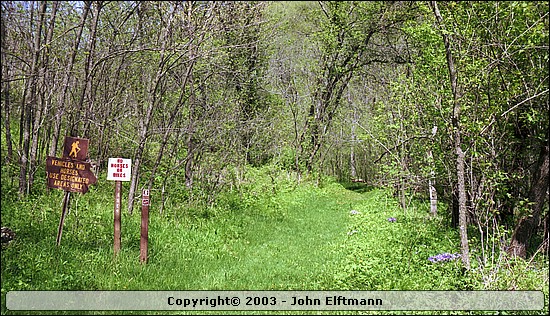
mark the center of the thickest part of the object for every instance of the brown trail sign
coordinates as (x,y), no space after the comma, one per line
(70,173)
(75,148)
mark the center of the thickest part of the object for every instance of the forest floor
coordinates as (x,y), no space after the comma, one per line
(304,237)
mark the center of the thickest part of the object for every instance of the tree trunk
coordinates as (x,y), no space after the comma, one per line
(143,135)
(319,119)
(6,91)
(87,87)
(433,197)
(65,86)
(166,135)
(462,211)
(190,141)
(546,235)
(527,225)
(194,42)
(352,161)
(153,99)
(28,107)
(431,186)
(7,120)
(454,211)
(41,107)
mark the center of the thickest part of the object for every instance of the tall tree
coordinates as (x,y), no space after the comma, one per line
(42,106)
(6,79)
(352,35)
(538,194)
(463,224)
(68,75)
(154,89)
(30,99)
(87,93)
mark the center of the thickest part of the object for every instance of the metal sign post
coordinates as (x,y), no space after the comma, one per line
(144,226)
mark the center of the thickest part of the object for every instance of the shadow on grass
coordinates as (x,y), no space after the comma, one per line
(358,187)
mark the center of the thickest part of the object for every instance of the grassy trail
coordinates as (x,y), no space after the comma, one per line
(300,250)
(289,240)
(293,243)
(307,238)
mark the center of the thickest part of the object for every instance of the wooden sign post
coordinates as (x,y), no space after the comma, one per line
(70,173)
(118,187)
(63,213)
(144,226)
(118,169)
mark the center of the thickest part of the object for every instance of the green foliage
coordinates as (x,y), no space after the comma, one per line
(384,255)
(268,234)
(267,83)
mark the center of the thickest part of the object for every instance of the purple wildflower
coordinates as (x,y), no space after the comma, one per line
(392,219)
(444,257)
(354,212)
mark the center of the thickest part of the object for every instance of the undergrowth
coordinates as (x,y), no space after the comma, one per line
(268,233)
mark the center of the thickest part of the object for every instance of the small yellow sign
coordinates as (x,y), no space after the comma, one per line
(75,148)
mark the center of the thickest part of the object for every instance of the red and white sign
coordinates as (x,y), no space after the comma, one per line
(119,169)
(145,197)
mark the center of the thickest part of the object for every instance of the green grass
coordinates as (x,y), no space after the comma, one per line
(253,242)
(268,235)
(385,255)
